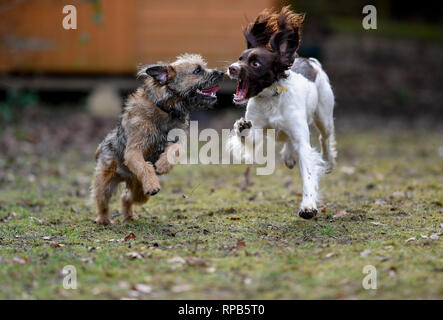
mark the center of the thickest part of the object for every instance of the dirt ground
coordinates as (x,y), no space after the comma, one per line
(207,236)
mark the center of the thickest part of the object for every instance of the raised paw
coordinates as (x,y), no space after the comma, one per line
(307,213)
(151,191)
(162,166)
(241,125)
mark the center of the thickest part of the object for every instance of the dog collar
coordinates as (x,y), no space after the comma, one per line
(279,90)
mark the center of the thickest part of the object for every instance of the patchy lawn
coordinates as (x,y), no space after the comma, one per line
(204,236)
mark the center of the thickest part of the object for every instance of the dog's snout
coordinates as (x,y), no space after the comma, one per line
(234,70)
(219,73)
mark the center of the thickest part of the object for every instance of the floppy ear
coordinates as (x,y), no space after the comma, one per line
(158,73)
(258,32)
(285,43)
(256,35)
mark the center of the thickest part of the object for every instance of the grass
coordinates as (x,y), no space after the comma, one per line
(232,243)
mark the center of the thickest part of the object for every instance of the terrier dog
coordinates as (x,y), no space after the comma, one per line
(136,152)
(286,93)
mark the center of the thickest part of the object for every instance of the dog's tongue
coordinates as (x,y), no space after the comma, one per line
(211,90)
(242,91)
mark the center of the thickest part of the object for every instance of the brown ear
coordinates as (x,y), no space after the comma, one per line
(285,43)
(258,33)
(159,73)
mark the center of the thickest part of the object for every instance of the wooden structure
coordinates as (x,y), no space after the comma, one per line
(114,36)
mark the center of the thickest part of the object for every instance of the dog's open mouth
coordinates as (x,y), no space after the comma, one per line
(242,91)
(209,93)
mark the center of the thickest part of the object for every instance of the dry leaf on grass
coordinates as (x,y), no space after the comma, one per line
(143,288)
(330,255)
(348,170)
(181,288)
(176,260)
(340,213)
(240,244)
(434,236)
(378,224)
(199,262)
(20,260)
(133,255)
(411,239)
(365,253)
(129,236)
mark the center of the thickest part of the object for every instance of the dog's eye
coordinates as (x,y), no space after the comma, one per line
(255,64)
(197,70)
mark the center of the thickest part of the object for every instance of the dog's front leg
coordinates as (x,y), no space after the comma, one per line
(144,171)
(310,164)
(168,158)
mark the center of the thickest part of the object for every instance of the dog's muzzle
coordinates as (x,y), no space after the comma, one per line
(234,70)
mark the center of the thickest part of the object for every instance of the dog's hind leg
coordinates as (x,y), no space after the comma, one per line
(103,186)
(325,126)
(289,155)
(324,120)
(133,195)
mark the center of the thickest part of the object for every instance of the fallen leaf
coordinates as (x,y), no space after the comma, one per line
(134,255)
(240,244)
(398,194)
(210,270)
(181,288)
(47,238)
(56,245)
(199,262)
(323,210)
(365,253)
(143,288)
(330,255)
(177,260)
(87,260)
(38,220)
(348,170)
(435,236)
(340,213)
(411,239)
(234,218)
(129,236)
(20,260)
(378,224)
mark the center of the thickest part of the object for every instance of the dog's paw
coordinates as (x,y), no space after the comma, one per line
(307,213)
(132,217)
(151,190)
(162,166)
(151,187)
(241,125)
(103,220)
(290,164)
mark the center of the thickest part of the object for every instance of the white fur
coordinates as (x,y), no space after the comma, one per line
(297,106)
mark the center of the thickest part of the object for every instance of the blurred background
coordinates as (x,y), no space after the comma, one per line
(56,82)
